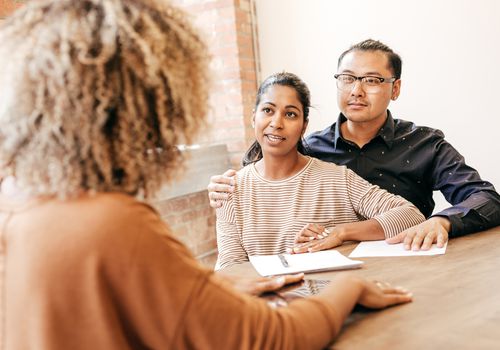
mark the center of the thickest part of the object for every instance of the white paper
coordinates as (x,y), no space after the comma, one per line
(268,265)
(381,248)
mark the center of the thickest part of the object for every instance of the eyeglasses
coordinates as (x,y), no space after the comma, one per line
(370,84)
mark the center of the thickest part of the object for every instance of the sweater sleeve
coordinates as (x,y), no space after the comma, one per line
(220,318)
(394,213)
(167,300)
(229,244)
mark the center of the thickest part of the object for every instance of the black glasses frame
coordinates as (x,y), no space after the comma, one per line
(382,80)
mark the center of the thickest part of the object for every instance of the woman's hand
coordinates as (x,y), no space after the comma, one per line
(259,285)
(316,237)
(377,295)
(310,232)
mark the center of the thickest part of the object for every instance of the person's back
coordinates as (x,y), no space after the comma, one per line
(102,271)
(79,273)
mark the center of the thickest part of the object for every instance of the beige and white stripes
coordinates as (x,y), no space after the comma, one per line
(262,217)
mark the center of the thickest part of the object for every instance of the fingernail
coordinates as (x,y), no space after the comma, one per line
(326,231)
(309,250)
(279,280)
(311,238)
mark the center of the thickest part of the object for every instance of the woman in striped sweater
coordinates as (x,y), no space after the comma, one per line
(283,197)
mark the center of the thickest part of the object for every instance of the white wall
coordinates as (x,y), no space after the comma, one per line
(451,62)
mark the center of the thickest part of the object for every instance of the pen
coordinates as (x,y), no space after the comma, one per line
(283,260)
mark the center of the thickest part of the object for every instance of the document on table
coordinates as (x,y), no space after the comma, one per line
(381,248)
(268,265)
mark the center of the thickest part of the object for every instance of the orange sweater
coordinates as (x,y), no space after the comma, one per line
(103,272)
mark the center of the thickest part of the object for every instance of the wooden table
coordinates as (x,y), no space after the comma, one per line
(456,298)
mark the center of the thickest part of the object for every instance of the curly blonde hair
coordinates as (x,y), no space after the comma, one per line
(96,94)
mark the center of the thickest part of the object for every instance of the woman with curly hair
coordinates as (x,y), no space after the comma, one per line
(94,97)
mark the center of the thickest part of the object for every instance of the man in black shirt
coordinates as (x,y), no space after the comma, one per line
(405,159)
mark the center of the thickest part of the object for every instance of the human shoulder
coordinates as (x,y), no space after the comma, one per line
(114,208)
(245,170)
(107,221)
(244,175)
(321,164)
(326,170)
(327,132)
(130,230)
(404,129)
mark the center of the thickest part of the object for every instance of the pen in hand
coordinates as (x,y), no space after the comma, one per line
(283,260)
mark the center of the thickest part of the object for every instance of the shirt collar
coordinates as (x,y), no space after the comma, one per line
(386,132)
(336,135)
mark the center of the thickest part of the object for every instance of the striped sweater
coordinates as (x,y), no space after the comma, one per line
(262,216)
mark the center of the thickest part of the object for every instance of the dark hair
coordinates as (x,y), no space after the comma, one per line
(375,45)
(254,153)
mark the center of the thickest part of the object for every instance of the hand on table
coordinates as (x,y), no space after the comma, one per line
(219,188)
(422,236)
(259,285)
(316,237)
(377,295)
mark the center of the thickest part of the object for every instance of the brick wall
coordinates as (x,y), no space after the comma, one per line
(193,222)
(228,30)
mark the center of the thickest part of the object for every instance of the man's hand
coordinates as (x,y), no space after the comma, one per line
(422,236)
(315,237)
(219,188)
(259,285)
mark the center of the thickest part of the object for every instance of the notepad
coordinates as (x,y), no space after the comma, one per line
(268,265)
(381,248)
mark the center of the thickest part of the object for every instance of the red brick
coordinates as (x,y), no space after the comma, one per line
(198,199)
(218,4)
(248,75)
(164,207)
(243,16)
(206,246)
(180,203)
(246,51)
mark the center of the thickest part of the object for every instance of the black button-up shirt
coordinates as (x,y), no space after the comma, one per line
(413,161)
